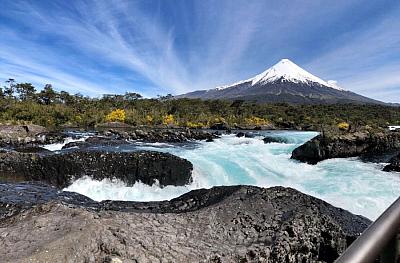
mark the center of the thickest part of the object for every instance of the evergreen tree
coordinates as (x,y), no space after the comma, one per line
(10,89)
(26,91)
(47,96)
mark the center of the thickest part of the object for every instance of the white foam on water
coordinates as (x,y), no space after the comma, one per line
(117,190)
(359,187)
(58,146)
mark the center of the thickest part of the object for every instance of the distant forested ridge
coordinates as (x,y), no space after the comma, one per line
(23,103)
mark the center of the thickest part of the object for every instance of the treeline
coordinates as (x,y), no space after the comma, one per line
(22,103)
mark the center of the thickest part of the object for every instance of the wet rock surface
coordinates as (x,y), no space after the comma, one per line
(61,169)
(346,145)
(160,135)
(394,164)
(247,134)
(273,139)
(32,149)
(95,141)
(223,224)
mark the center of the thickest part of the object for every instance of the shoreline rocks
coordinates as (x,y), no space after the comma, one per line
(346,145)
(30,136)
(27,135)
(160,135)
(61,170)
(394,164)
(222,224)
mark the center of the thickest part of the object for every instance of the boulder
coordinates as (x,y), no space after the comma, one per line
(346,145)
(249,135)
(20,135)
(61,170)
(240,134)
(222,224)
(220,126)
(15,131)
(394,164)
(271,139)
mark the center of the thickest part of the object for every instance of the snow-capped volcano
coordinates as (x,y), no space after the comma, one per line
(286,70)
(283,82)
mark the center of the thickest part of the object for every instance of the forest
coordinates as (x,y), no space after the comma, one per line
(23,103)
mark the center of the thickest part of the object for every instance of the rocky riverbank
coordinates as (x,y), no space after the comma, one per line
(326,146)
(114,137)
(222,224)
(24,138)
(21,135)
(61,169)
(160,135)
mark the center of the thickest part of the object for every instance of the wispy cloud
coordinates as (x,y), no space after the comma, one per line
(367,61)
(23,66)
(132,41)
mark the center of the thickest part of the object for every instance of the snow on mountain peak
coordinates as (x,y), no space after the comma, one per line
(286,70)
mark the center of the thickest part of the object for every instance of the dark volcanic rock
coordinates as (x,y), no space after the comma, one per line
(50,137)
(270,139)
(394,164)
(160,135)
(61,169)
(119,137)
(77,144)
(17,197)
(32,149)
(222,224)
(95,141)
(240,134)
(249,135)
(220,126)
(346,145)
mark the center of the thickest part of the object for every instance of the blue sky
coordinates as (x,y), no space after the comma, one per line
(176,46)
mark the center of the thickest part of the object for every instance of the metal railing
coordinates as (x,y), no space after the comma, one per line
(379,240)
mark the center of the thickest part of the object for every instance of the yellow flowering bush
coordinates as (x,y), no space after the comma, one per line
(168,119)
(344,126)
(194,125)
(149,119)
(116,115)
(253,120)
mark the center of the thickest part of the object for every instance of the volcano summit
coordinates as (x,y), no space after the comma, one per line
(284,82)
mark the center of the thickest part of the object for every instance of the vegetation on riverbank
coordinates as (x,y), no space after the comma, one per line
(21,103)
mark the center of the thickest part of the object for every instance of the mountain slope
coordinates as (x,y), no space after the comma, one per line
(283,82)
